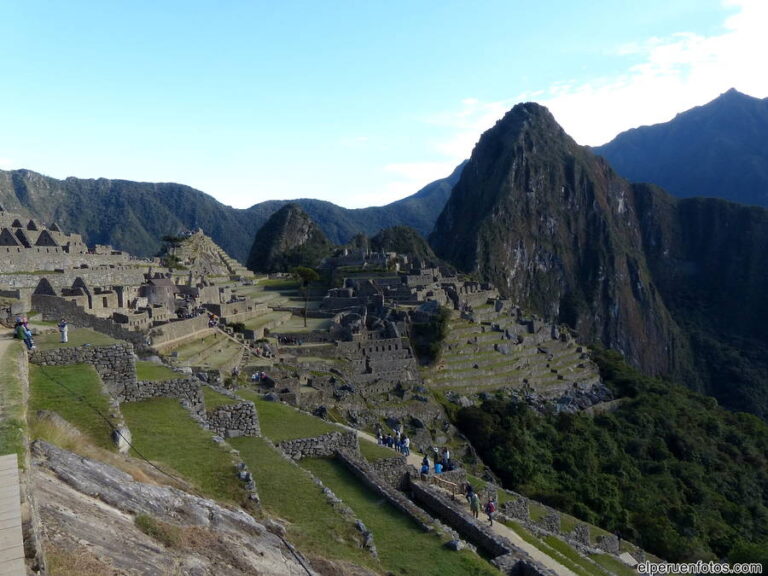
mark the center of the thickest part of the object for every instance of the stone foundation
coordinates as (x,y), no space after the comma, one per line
(234,420)
(320,446)
(114,364)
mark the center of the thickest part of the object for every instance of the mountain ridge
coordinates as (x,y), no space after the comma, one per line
(561,233)
(134,216)
(725,139)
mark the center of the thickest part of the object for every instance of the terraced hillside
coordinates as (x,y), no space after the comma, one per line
(504,350)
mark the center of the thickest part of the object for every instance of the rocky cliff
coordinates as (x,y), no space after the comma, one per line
(673,284)
(557,231)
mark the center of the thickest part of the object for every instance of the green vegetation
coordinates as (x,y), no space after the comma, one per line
(146,371)
(372,451)
(613,565)
(288,494)
(402,546)
(215,399)
(427,337)
(75,393)
(76,337)
(167,534)
(11,404)
(164,432)
(280,422)
(668,469)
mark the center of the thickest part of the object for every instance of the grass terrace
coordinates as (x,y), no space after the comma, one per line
(373,452)
(149,371)
(165,433)
(280,422)
(76,336)
(213,351)
(402,545)
(75,393)
(12,420)
(288,494)
(215,399)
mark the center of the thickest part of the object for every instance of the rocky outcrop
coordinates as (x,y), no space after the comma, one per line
(89,508)
(288,239)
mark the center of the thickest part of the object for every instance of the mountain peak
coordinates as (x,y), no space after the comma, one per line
(288,239)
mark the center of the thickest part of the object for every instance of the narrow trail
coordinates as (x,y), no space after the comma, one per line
(415,459)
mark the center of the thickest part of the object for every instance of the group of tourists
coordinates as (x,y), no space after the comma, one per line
(399,441)
(473,498)
(23,332)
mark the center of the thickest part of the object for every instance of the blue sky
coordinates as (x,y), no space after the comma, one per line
(355,102)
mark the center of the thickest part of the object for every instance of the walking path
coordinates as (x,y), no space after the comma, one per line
(516,540)
(11,538)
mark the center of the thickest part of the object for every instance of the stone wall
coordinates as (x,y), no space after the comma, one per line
(448,511)
(114,364)
(180,329)
(510,559)
(320,446)
(394,471)
(61,275)
(369,478)
(54,308)
(234,420)
(185,389)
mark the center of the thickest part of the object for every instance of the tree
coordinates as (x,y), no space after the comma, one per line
(306,276)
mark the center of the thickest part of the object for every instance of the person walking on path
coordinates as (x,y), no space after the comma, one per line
(490,508)
(63,331)
(474,504)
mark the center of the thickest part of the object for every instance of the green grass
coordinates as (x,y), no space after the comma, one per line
(280,422)
(215,399)
(75,393)
(558,550)
(568,523)
(12,422)
(149,371)
(613,564)
(502,496)
(403,547)
(76,337)
(373,452)
(571,558)
(537,511)
(314,526)
(164,432)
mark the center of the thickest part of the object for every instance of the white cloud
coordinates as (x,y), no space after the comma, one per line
(677,73)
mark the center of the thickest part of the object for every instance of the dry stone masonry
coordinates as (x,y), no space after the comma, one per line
(114,364)
(234,420)
(320,446)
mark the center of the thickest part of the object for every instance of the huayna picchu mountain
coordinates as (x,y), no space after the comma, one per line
(718,150)
(674,284)
(289,239)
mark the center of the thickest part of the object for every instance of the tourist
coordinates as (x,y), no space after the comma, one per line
(468,491)
(425,469)
(63,331)
(490,509)
(438,468)
(474,504)
(406,449)
(28,338)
